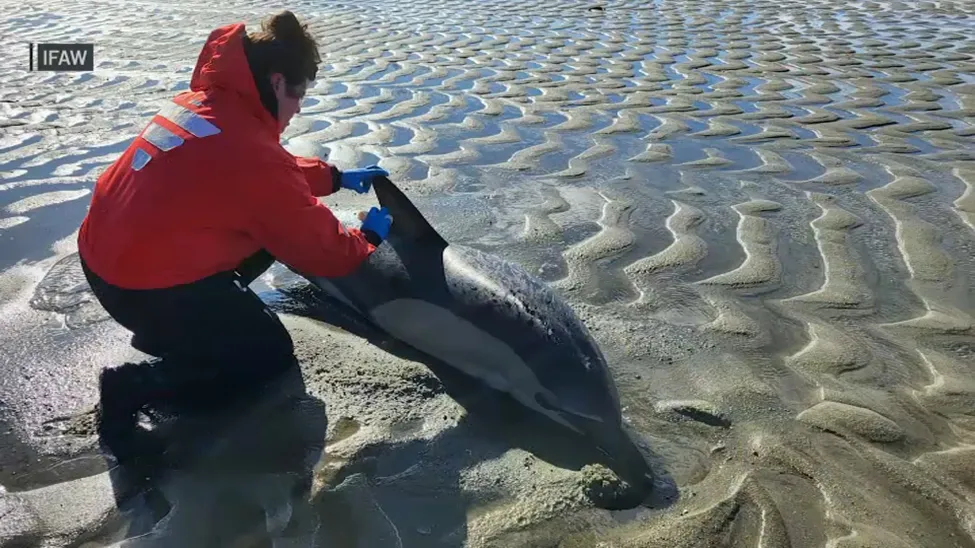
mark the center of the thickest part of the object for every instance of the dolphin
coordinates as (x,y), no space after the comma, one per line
(492,320)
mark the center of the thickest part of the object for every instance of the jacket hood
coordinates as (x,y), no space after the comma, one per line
(222,65)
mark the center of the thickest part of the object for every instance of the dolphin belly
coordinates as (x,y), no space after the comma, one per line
(460,343)
(334,292)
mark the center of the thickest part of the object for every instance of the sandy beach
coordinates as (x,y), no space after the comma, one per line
(763,211)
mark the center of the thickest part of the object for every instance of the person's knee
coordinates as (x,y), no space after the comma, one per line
(277,339)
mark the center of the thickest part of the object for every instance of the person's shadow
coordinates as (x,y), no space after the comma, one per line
(410,494)
(236,474)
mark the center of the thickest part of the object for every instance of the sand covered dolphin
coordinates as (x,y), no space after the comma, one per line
(492,320)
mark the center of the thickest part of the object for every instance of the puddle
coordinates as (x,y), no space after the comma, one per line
(746,106)
(742,157)
(439,80)
(861,138)
(923,146)
(500,153)
(471,105)
(466,83)
(310,102)
(436,98)
(894,95)
(844,114)
(949,103)
(551,119)
(749,87)
(572,146)
(418,171)
(802,132)
(369,159)
(391,68)
(803,167)
(798,112)
(407,78)
(745,127)
(685,150)
(319,125)
(695,125)
(711,81)
(401,136)
(359,129)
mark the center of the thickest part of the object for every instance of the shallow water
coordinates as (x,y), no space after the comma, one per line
(762,210)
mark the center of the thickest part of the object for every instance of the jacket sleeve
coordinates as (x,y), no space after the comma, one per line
(322,177)
(290,223)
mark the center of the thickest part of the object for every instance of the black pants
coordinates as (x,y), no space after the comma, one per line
(213,338)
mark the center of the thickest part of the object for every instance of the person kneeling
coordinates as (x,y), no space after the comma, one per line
(202,202)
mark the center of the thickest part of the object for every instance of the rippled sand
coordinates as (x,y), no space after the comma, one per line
(764,210)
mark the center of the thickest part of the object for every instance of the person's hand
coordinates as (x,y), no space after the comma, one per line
(375,224)
(360,179)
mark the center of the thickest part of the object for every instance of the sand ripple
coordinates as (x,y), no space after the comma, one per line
(765,211)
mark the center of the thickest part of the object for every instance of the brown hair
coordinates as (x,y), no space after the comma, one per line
(282,45)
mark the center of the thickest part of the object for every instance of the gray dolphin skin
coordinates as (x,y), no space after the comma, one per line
(492,320)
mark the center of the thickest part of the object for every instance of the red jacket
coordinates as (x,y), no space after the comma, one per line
(207,183)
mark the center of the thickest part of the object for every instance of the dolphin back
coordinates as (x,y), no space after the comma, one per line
(496,297)
(540,326)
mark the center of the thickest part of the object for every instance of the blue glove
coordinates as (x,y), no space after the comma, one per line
(360,179)
(377,222)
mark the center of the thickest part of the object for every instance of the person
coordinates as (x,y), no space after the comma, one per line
(202,202)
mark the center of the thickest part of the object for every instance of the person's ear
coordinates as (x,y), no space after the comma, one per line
(277,83)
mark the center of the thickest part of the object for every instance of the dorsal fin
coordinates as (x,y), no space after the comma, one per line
(408,222)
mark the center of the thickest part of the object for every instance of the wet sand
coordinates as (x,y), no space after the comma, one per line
(763,210)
